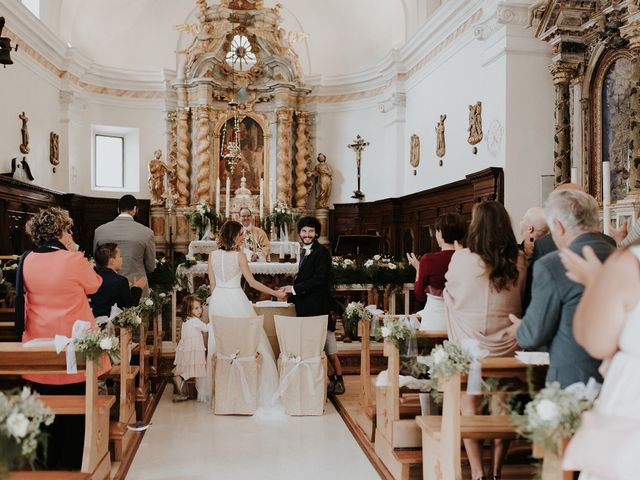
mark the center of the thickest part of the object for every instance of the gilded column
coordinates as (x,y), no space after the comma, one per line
(172,156)
(302,159)
(562,73)
(182,171)
(285,118)
(631,32)
(203,156)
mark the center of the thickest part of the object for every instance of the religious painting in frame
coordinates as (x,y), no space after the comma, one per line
(252,149)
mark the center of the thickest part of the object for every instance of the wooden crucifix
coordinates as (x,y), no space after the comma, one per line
(358,146)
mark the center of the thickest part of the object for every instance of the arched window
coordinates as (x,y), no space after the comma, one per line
(240,55)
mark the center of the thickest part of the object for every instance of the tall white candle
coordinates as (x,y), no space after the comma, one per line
(606,196)
(228,197)
(574,174)
(218,196)
(261,198)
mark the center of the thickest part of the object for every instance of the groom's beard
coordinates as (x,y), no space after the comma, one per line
(307,241)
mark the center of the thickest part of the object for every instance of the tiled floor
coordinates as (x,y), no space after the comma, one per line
(187,441)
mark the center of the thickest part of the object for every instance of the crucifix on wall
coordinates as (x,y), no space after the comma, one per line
(358,146)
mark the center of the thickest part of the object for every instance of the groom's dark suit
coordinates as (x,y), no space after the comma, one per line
(312,284)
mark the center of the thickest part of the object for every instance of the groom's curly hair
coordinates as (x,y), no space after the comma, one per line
(228,233)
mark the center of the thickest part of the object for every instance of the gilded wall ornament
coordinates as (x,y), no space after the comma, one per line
(475,123)
(441,147)
(414,158)
(54,155)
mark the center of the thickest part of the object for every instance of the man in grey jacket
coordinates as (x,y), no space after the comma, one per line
(573,219)
(135,241)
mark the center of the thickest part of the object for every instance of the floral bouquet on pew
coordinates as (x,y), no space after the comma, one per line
(152,304)
(400,331)
(447,360)
(554,413)
(92,344)
(128,318)
(21,418)
(355,312)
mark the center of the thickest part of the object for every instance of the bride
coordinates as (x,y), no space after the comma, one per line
(227,266)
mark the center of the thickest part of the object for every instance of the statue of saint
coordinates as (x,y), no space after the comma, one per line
(323,173)
(24,146)
(414,158)
(475,123)
(157,171)
(440,149)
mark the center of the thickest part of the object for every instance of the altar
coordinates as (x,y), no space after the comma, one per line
(279,248)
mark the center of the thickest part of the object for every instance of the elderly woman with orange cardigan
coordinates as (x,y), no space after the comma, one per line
(485,283)
(55,280)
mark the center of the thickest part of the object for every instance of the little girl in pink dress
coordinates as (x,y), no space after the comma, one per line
(190,358)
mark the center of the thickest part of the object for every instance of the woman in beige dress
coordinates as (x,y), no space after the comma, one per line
(484,284)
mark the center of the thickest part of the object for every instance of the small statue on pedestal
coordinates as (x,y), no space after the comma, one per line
(157,170)
(323,173)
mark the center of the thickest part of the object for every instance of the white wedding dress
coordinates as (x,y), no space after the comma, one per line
(229,300)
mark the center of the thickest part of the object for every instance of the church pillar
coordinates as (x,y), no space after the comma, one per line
(203,156)
(182,170)
(562,73)
(631,33)
(302,159)
(285,117)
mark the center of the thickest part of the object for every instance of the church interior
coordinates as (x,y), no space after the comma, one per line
(401,132)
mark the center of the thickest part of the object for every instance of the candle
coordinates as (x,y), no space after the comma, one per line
(261,198)
(228,197)
(606,196)
(574,174)
(218,196)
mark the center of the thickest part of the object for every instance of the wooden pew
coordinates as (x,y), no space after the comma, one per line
(442,435)
(119,434)
(397,436)
(96,465)
(7,324)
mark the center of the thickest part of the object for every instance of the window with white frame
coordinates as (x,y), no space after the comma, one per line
(33,6)
(115,159)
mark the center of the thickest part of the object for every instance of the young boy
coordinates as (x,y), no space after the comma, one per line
(115,288)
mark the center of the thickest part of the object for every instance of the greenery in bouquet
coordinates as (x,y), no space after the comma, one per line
(396,330)
(204,216)
(280,216)
(203,293)
(93,343)
(379,271)
(152,304)
(353,313)
(22,416)
(163,278)
(447,360)
(128,318)
(554,414)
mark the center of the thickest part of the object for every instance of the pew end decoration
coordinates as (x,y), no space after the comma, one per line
(92,344)
(554,414)
(22,416)
(447,360)
(354,313)
(128,318)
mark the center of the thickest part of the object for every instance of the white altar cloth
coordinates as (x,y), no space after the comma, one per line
(200,269)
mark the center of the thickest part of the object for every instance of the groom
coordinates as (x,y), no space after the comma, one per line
(310,291)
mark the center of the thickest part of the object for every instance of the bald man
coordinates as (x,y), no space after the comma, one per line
(532,226)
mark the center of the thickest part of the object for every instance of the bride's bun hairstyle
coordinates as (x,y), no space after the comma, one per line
(228,233)
(311,222)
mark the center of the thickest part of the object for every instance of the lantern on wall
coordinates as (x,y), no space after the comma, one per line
(5,47)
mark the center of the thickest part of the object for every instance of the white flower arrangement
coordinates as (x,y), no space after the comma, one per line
(152,304)
(129,318)
(381,262)
(339,262)
(10,267)
(446,360)
(554,413)
(395,329)
(21,418)
(355,312)
(93,343)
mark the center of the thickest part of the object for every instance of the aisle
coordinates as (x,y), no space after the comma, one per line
(187,441)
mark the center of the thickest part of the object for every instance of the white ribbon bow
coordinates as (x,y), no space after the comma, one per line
(60,342)
(104,319)
(236,362)
(474,379)
(374,310)
(297,363)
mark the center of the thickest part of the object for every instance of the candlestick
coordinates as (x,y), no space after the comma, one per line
(606,196)
(574,174)
(218,196)
(228,197)
(261,198)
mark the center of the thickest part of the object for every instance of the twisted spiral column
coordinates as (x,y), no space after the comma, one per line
(302,156)
(182,170)
(285,118)
(203,156)
(172,149)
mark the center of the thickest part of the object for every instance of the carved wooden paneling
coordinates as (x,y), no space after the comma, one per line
(19,200)
(405,222)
